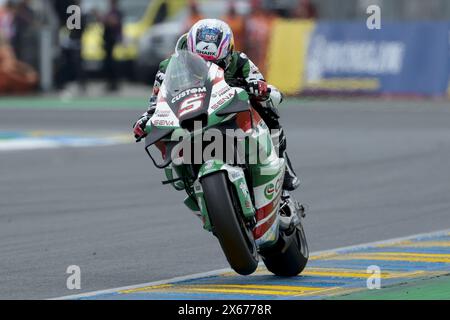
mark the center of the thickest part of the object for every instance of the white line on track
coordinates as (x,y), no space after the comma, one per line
(33,143)
(220,271)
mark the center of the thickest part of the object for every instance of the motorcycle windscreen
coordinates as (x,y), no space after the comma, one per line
(188,86)
(185,71)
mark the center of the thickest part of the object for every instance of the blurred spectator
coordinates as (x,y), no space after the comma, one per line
(305,10)
(25,37)
(258,28)
(237,25)
(194,15)
(71,68)
(15,76)
(112,23)
(7,23)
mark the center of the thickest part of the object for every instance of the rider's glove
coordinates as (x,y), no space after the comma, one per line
(259,89)
(139,127)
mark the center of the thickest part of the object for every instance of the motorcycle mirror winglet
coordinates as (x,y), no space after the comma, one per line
(162,165)
(154,136)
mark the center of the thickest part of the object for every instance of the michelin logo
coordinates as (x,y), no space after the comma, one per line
(356,57)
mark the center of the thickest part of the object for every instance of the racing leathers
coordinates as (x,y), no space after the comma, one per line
(240,72)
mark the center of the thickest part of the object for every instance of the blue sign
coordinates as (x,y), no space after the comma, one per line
(400,58)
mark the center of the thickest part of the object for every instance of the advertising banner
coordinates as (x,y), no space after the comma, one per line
(400,58)
(409,58)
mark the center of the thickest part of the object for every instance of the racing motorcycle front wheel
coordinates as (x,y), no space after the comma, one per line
(235,237)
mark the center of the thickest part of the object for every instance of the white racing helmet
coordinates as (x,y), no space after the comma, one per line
(213,40)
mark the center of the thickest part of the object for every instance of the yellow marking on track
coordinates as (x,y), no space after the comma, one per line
(323,256)
(258,289)
(321,272)
(147,289)
(395,244)
(263,286)
(348,273)
(252,289)
(395,256)
(299,291)
(414,254)
(259,271)
(423,244)
(341,273)
(37,133)
(122,138)
(247,291)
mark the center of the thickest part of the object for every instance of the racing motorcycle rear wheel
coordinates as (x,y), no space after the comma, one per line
(235,237)
(289,256)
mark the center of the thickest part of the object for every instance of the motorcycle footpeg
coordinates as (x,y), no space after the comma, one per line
(289,223)
(285,222)
(300,209)
(297,211)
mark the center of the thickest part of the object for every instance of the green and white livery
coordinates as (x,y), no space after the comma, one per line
(214,146)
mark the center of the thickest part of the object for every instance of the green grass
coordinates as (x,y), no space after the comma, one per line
(437,288)
(83,103)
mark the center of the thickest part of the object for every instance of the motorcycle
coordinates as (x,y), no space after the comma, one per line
(212,144)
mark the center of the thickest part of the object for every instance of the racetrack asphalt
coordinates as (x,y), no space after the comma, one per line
(371,170)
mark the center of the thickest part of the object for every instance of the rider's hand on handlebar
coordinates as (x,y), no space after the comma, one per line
(139,128)
(259,89)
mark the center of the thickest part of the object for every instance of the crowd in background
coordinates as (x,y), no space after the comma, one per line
(18,60)
(71,63)
(21,32)
(19,39)
(252,32)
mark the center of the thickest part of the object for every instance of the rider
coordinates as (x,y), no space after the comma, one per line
(213,40)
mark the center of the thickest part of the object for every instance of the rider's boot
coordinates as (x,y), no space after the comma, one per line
(271,117)
(291,181)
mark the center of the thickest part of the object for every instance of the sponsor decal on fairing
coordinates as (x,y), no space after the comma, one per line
(264,193)
(164,117)
(188,92)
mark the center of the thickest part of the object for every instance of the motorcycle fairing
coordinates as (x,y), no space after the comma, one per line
(223,104)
